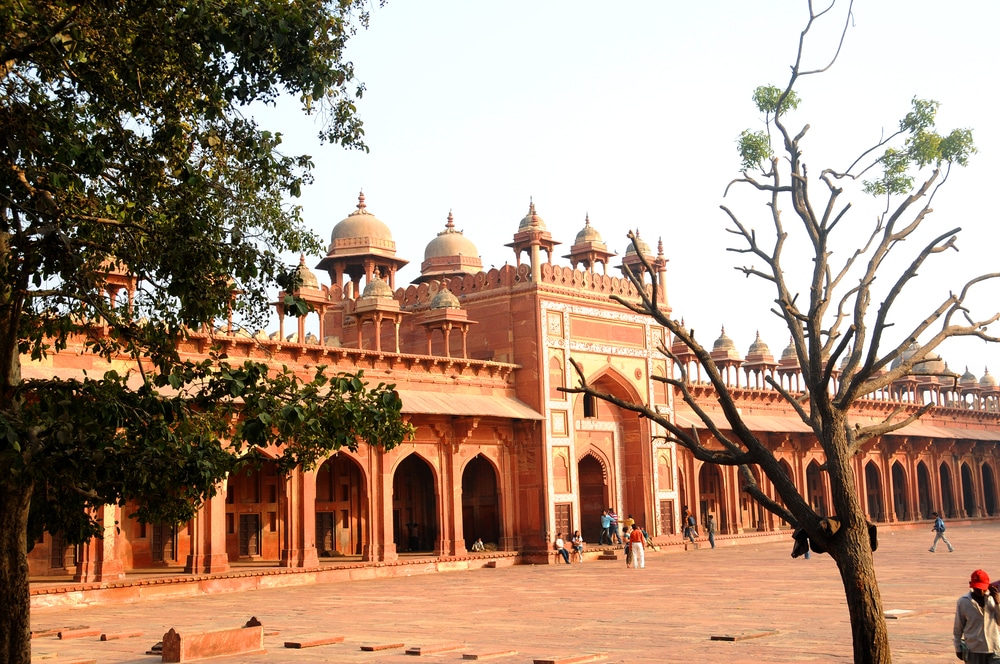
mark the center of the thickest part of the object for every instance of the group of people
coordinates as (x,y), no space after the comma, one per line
(577,542)
(691,526)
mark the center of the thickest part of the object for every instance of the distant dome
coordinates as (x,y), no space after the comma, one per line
(308,279)
(360,224)
(968,379)
(531,220)
(377,288)
(931,364)
(450,242)
(445,299)
(643,247)
(847,358)
(724,342)
(588,234)
(987,380)
(790,353)
(907,354)
(758,347)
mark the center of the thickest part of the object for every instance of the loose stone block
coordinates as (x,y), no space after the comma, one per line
(375,647)
(112,636)
(78,633)
(490,654)
(190,647)
(434,648)
(314,642)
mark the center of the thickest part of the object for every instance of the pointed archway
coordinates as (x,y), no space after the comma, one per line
(480,503)
(947,492)
(253,518)
(873,485)
(989,491)
(900,505)
(593,496)
(341,507)
(924,491)
(414,506)
(751,512)
(816,488)
(713,497)
(968,492)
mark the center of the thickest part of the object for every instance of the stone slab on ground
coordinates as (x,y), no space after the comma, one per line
(78,633)
(114,636)
(376,647)
(898,614)
(314,642)
(743,636)
(578,658)
(189,647)
(433,648)
(489,653)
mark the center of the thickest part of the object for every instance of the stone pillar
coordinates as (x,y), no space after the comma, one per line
(379,544)
(208,537)
(100,560)
(299,542)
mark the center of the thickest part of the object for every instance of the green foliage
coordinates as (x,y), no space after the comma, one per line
(922,147)
(754,148)
(768,97)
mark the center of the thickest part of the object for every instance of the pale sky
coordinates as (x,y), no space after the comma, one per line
(629,112)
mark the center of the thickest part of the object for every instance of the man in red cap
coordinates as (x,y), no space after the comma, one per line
(977,621)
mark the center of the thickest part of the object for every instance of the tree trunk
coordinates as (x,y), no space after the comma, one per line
(864,601)
(15,621)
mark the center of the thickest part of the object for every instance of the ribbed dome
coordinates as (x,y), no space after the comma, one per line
(531,220)
(445,299)
(588,234)
(643,247)
(724,342)
(968,379)
(758,347)
(450,242)
(987,380)
(306,275)
(377,288)
(360,224)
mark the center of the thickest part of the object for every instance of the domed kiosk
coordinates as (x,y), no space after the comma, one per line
(450,254)
(589,249)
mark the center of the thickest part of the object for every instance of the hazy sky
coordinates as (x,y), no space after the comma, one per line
(630,112)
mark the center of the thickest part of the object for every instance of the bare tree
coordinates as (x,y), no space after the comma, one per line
(834,322)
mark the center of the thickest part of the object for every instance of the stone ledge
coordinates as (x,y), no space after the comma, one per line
(432,648)
(219,643)
(314,642)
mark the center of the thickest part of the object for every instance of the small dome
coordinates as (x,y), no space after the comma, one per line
(531,220)
(377,288)
(847,358)
(305,275)
(907,354)
(931,364)
(758,347)
(789,353)
(360,224)
(724,342)
(987,380)
(450,242)
(643,247)
(588,234)
(445,299)
(968,379)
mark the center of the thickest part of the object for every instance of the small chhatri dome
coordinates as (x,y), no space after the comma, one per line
(968,379)
(907,354)
(445,299)
(643,247)
(724,342)
(377,288)
(588,234)
(758,347)
(987,380)
(308,279)
(361,224)
(450,242)
(531,220)
(789,353)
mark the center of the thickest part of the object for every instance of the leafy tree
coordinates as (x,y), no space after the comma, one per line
(128,149)
(834,323)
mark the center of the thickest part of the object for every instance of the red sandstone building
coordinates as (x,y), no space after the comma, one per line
(500,453)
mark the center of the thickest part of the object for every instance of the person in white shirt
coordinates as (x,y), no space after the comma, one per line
(977,621)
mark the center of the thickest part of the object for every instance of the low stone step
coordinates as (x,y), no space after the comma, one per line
(314,642)
(490,654)
(375,647)
(114,636)
(78,633)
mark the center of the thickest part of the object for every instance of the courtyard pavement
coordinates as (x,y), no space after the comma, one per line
(667,612)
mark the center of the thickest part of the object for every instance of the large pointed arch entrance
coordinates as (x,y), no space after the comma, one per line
(947,492)
(480,503)
(900,505)
(414,506)
(816,488)
(593,496)
(712,499)
(619,438)
(341,508)
(873,487)
(989,491)
(253,517)
(968,492)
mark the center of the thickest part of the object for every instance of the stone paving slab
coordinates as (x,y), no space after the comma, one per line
(666,612)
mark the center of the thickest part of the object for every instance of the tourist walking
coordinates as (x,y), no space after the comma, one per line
(976,631)
(561,548)
(605,527)
(638,541)
(690,529)
(939,529)
(629,560)
(710,526)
